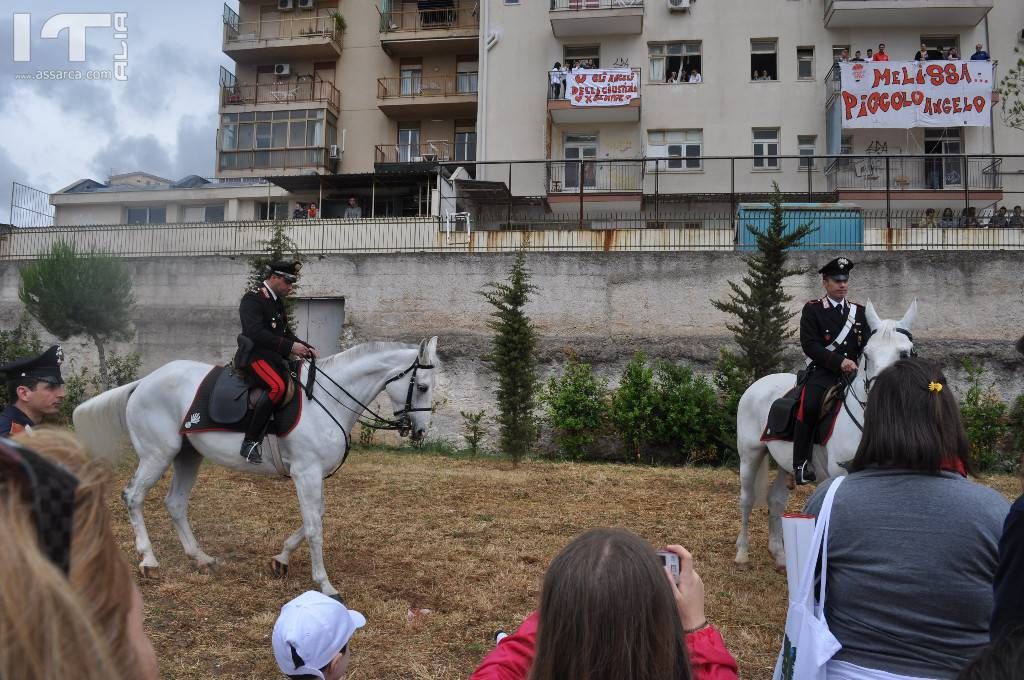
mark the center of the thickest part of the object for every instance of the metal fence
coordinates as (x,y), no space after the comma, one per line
(835,229)
(581,5)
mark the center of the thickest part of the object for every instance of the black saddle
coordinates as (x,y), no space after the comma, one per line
(223,402)
(782,414)
(229,400)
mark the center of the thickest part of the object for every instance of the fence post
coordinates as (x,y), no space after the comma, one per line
(888,201)
(965,174)
(810,166)
(732,190)
(657,207)
(582,182)
(508,214)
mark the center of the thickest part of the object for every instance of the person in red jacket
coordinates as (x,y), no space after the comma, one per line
(609,610)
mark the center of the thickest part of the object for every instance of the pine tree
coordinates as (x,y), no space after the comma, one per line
(759,304)
(71,293)
(513,358)
(279,246)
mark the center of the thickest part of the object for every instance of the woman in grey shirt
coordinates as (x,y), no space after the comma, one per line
(913,542)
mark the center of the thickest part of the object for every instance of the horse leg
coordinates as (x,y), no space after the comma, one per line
(186,469)
(279,562)
(150,470)
(752,459)
(310,487)
(778,496)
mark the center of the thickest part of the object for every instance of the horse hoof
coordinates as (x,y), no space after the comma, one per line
(278,569)
(208,567)
(149,573)
(743,566)
(780,569)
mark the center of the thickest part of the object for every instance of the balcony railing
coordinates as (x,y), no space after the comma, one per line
(433,151)
(575,176)
(304,26)
(446,85)
(281,92)
(915,173)
(273,159)
(460,15)
(580,5)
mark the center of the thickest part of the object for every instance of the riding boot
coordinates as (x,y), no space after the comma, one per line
(803,445)
(254,434)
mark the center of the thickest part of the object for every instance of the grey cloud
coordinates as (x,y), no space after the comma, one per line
(196,154)
(10,172)
(132,153)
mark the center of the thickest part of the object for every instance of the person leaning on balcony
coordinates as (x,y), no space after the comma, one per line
(299,213)
(929,219)
(923,54)
(557,80)
(1017,219)
(952,55)
(311,211)
(979,54)
(844,56)
(695,77)
(948,220)
(857,57)
(999,219)
(880,55)
(353,211)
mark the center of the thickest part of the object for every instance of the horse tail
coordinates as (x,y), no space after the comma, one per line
(762,482)
(100,422)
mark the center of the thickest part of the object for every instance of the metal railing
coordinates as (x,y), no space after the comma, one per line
(431,151)
(281,92)
(570,177)
(444,85)
(301,27)
(273,159)
(580,5)
(565,80)
(459,15)
(916,173)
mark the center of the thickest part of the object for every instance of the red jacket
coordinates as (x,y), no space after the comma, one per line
(511,659)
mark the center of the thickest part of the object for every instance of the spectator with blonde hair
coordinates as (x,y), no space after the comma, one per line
(97,571)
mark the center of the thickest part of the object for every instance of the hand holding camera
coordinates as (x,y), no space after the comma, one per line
(687,587)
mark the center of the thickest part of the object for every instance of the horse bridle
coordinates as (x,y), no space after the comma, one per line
(404,422)
(848,383)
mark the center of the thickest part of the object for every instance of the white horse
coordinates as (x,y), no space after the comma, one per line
(150,412)
(890,341)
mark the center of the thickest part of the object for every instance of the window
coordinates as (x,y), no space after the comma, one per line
(764,59)
(940,45)
(766,148)
(466,75)
(805,145)
(214,213)
(837,52)
(580,53)
(277,210)
(682,147)
(465,141)
(674,62)
(805,63)
(845,149)
(281,138)
(147,215)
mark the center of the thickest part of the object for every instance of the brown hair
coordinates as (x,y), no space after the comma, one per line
(99,573)
(912,421)
(607,613)
(46,631)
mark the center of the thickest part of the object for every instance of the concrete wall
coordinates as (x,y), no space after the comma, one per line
(605,306)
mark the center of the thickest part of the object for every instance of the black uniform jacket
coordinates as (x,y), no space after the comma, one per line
(265,323)
(820,323)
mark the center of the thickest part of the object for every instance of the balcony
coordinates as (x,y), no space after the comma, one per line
(596,96)
(452,29)
(598,177)
(305,36)
(237,96)
(902,174)
(904,13)
(293,161)
(576,18)
(428,152)
(445,96)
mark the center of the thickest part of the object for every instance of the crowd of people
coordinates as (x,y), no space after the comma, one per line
(925,53)
(925,569)
(309,211)
(1001,218)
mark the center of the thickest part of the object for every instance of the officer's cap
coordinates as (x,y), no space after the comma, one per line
(838,269)
(45,367)
(286,269)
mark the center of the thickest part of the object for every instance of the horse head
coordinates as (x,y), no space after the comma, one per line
(412,392)
(889,342)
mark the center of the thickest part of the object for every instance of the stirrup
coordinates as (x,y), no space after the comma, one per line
(251,452)
(804,474)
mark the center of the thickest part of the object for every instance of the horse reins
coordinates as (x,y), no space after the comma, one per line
(848,382)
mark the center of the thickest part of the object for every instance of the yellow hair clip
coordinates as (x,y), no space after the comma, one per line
(934,387)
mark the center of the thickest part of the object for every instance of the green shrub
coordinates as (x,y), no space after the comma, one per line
(1015,422)
(633,405)
(123,369)
(575,404)
(731,380)
(984,417)
(473,429)
(18,342)
(686,414)
(78,386)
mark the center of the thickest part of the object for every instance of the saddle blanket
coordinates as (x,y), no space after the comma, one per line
(822,433)
(198,419)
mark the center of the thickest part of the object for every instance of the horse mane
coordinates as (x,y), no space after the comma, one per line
(886,330)
(361,350)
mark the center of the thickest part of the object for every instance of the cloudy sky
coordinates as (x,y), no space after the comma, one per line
(162,119)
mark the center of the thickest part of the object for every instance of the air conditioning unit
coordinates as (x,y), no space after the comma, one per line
(678,5)
(285,4)
(335,152)
(282,69)
(306,4)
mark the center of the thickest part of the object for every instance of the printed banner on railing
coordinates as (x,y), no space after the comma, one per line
(602,87)
(907,94)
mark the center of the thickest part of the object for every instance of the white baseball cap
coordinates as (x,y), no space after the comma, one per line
(310,631)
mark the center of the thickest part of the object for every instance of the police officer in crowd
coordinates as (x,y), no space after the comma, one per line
(832,335)
(265,323)
(35,389)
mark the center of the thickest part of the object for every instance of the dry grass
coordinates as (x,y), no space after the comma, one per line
(467,539)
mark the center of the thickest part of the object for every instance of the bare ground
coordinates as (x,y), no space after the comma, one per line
(468,540)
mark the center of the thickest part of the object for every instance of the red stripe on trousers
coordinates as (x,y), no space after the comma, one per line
(269,376)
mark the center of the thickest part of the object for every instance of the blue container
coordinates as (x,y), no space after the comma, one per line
(839,226)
